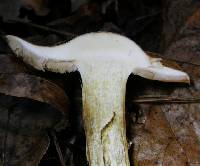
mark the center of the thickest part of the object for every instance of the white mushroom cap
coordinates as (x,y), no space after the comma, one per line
(102,46)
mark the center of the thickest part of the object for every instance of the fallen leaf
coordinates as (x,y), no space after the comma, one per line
(170,133)
(175,16)
(36,88)
(23,130)
(29,107)
(153,139)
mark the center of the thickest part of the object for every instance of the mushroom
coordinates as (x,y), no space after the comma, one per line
(105,61)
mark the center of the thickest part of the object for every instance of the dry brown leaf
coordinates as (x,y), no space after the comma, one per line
(15,82)
(23,130)
(153,140)
(36,88)
(170,133)
(10,64)
(175,15)
(193,20)
(186,50)
(30,107)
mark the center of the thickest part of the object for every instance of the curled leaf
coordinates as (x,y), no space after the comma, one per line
(33,87)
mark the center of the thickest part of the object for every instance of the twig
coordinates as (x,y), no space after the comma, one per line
(58,148)
(44,28)
(158,99)
(148,16)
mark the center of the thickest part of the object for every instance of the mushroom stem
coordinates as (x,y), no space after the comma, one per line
(103,91)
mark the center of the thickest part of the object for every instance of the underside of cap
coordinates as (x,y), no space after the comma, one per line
(162,73)
(41,57)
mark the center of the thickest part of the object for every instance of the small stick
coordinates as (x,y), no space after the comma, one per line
(148,16)
(161,100)
(58,148)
